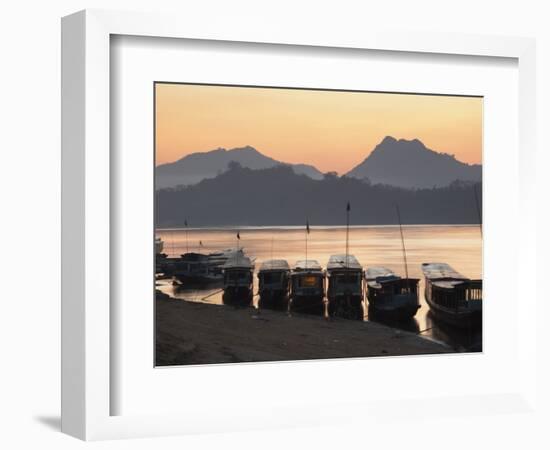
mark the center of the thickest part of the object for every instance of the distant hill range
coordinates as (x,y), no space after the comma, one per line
(278,196)
(400,163)
(410,164)
(196,167)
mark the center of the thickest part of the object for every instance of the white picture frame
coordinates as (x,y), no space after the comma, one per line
(87,386)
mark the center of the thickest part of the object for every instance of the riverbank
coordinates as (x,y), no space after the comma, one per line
(199,333)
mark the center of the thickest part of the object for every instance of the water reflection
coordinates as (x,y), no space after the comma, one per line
(411,324)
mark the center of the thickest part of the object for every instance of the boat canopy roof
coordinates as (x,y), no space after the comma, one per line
(450,284)
(441,271)
(307,265)
(192,256)
(227,252)
(274,265)
(238,262)
(372,273)
(345,262)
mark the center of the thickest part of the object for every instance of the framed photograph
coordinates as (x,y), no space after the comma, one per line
(350,234)
(290,214)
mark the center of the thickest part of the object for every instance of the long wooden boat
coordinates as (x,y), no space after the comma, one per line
(198,268)
(237,280)
(307,287)
(192,268)
(345,287)
(274,283)
(452,297)
(391,296)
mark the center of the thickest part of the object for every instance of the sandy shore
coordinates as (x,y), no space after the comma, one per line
(198,333)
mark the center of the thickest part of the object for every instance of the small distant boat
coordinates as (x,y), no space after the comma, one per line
(452,297)
(345,287)
(237,280)
(307,287)
(274,283)
(159,245)
(391,296)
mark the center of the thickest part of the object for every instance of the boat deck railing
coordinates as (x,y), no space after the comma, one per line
(473,290)
(458,296)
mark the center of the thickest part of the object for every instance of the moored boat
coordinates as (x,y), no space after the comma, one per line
(237,280)
(345,287)
(274,283)
(452,297)
(391,296)
(193,269)
(307,287)
(198,268)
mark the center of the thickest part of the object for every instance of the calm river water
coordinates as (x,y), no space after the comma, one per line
(458,245)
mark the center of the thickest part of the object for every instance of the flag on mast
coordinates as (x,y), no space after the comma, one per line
(238,235)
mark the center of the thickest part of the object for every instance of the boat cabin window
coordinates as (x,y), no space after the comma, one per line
(272,277)
(309,281)
(238,276)
(347,278)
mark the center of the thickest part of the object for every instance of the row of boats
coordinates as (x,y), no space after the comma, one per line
(340,290)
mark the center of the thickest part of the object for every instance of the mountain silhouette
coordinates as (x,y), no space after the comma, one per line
(278,196)
(410,164)
(196,167)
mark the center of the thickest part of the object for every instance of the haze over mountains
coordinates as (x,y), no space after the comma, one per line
(278,196)
(196,167)
(400,163)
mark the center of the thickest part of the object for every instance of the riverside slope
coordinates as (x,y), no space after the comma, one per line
(199,333)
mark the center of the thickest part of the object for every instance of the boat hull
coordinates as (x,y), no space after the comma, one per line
(197,280)
(237,295)
(398,307)
(461,318)
(307,304)
(348,306)
(273,298)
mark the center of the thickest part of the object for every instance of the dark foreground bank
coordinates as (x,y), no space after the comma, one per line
(198,333)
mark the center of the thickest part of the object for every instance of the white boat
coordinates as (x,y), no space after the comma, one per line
(345,287)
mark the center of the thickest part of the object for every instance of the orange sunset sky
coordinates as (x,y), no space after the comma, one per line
(332,130)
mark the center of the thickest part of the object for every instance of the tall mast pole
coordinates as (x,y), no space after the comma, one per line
(347,233)
(307,232)
(186,237)
(402,242)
